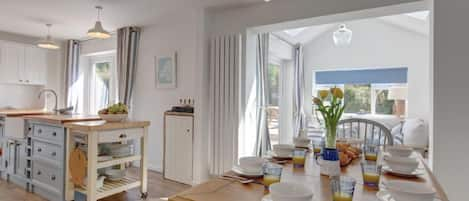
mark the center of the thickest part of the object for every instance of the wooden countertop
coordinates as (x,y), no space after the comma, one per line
(103,125)
(62,119)
(22,112)
(224,190)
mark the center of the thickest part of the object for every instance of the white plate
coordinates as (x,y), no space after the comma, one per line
(384,195)
(238,170)
(416,173)
(268,198)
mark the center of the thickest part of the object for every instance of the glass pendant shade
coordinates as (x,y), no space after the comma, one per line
(48,43)
(98,31)
(343,36)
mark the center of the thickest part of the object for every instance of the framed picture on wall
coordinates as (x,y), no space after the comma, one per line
(166,71)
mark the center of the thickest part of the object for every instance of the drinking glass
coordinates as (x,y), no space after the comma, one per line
(342,188)
(371,172)
(272,174)
(371,152)
(299,158)
(317,147)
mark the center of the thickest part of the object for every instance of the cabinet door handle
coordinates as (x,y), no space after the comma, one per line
(39,150)
(188,130)
(39,173)
(39,131)
(54,134)
(52,177)
(122,136)
(53,154)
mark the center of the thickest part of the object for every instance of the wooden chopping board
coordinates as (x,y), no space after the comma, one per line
(77,164)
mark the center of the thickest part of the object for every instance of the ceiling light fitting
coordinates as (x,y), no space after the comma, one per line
(48,43)
(98,31)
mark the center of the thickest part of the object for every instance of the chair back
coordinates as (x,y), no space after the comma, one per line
(371,132)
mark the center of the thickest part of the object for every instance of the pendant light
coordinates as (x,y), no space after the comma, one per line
(48,43)
(98,31)
(343,36)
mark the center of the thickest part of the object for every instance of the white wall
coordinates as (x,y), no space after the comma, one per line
(26,96)
(377,44)
(184,35)
(451,97)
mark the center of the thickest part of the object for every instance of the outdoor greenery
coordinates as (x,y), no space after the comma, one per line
(273,84)
(357,98)
(383,105)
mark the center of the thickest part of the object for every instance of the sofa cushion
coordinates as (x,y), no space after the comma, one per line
(415,133)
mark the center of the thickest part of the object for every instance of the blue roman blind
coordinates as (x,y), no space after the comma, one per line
(368,76)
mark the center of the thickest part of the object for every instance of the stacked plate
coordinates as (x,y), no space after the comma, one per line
(400,162)
(249,166)
(114,174)
(406,191)
(118,150)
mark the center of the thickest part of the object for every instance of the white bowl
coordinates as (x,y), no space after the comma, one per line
(285,191)
(401,151)
(114,117)
(410,191)
(402,164)
(283,150)
(251,163)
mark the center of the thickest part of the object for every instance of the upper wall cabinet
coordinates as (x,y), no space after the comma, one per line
(22,64)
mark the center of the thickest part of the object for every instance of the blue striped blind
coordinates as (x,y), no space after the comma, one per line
(368,76)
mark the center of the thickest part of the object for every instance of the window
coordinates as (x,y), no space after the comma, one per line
(357,98)
(373,97)
(382,104)
(273,86)
(102,82)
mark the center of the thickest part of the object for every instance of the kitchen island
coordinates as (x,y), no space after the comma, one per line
(45,153)
(94,133)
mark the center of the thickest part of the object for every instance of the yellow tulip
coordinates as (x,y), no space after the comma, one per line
(323,94)
(337,92)
(317,101)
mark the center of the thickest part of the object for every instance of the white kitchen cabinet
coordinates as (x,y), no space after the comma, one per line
(35,68)
(22,64)
(178,147)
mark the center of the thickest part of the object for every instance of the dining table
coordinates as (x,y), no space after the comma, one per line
(222,189)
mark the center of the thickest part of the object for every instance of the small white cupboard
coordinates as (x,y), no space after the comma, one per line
(22,64)
(178,147)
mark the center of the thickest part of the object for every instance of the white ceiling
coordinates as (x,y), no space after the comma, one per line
(416,22)
(72,18)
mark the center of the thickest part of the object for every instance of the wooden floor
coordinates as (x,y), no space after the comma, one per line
(157,188)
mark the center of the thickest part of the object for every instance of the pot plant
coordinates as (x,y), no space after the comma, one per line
(331,113)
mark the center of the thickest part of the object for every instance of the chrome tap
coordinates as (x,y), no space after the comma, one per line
(55,96)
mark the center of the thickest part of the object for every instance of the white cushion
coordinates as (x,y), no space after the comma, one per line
(415,133)
(396,130)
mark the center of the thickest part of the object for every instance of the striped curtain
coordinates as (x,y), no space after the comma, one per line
(262,78)
(299,117)
(127,51)
(224,80)
(72,73)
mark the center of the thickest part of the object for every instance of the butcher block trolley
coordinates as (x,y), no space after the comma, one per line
(98,132)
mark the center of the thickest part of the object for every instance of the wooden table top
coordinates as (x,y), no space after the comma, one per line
(22,112)
(103,125)
(224,190)
(62,119)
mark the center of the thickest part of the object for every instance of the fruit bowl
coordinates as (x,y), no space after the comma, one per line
(114,117)
(114,113)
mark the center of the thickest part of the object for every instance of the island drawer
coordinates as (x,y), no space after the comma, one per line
(120,135)
(48,175)
(50,133)
(46,150)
